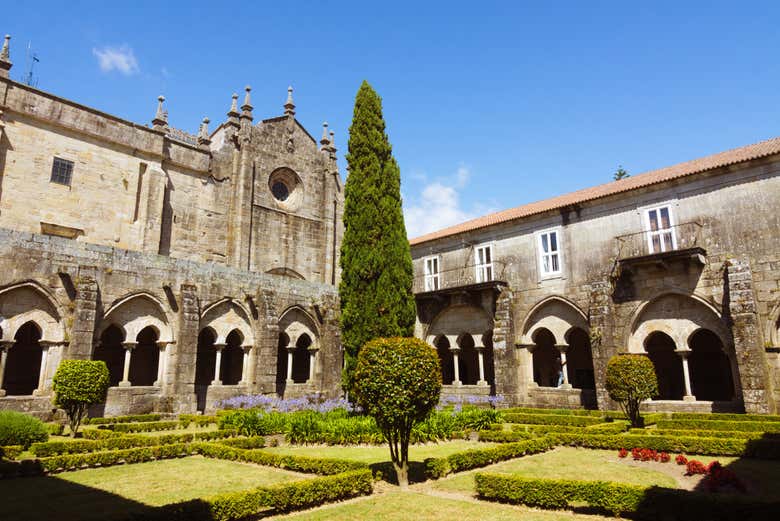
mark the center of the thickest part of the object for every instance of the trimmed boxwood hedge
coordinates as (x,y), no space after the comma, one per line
(305,464)
(551,419)
(104,459)
(707,433)
(504,436)
(760,448)
(621,499)
(201,421)
(141,427)
(471,459)
(720,425)
(124,419)
(725,416)
(10,451)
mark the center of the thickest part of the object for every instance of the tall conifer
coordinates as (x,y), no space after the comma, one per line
(376,262)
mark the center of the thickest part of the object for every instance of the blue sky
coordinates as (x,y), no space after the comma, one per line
(489,105)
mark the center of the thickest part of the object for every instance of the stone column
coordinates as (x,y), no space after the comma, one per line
(455,350)
(312,362)
(683,353)
(530,348)
(129,346)
(162,364)
(218,364)
(5,345)
(290,348)
(562,348)
(480,348)
(45,345)
(245,365)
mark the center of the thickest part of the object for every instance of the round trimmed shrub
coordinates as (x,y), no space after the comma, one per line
(398,383)
(17,428)
(77,385)
(631,380)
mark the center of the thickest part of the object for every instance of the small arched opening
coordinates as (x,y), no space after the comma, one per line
(660,349)
(468,364)
(579,360)
(301,359)
(23,365)
(205,362)
(546,359)
(232,359)
(444,353)
(145,357)
(710,367)
(110,351)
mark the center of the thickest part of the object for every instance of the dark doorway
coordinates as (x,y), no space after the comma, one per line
(710,368)
(301,360)
(23,365)
(205,361)
(232,359)
(579,360)
(110,351)
(445,359)
(668,366)
(546,358)
(145,357)
(468,363)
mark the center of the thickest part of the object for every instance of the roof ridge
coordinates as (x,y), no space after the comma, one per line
(727,157)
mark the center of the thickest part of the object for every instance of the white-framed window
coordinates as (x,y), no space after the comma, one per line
(550,255)
(483,263)
(432,269)
(659,225)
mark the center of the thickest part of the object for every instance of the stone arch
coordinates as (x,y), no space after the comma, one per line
(468,364)
(661,349)
(137,311)
(109,349)
(678,315)
(145,357)
(460,332)
(232,367)
(30,302)
(546,359)
(457,320)
(442,345)
(225,316)
(556,314)
(286,272)
(297,347)
(772,330)
(205,363)
(712,369)
(23,362)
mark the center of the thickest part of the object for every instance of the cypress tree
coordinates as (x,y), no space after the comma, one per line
(376,261)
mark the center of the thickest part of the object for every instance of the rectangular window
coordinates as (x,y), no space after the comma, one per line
(549,253)
(431,273)
(483,260)
(660,230)
(61,171)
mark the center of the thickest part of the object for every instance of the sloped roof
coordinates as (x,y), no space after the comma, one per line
(729,157)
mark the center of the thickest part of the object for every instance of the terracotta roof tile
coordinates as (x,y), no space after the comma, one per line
(729,157)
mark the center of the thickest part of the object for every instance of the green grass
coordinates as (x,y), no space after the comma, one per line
(564,463)
(380,453)
(105,492)
(403,506)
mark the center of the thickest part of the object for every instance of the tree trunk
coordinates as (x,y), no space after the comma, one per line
(402,473)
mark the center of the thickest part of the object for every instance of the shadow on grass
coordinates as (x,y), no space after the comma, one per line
(386,472)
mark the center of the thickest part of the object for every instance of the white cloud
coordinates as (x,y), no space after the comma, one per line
(120,58)
(439,205)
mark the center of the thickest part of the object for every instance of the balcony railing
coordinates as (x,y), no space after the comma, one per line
(685,236)
(461,276)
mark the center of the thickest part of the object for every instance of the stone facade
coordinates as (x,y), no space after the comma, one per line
(685,268)
(198,266)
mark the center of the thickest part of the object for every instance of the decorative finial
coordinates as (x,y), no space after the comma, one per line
(5,54)
(289,106)
(160,120)
(5,58)
(333,140)
(203,135)
(324,141)
(247,106)
(234,105)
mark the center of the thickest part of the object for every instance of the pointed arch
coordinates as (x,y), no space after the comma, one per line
(137,311)
(286,272)
(558,315)
(459,320)
(29,301)
(296,321)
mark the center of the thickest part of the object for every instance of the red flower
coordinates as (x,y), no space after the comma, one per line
(695,467)
(664,457)
(681,459)
(622,453)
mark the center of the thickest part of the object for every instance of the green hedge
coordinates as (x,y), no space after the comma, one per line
(619,499)
(10,451)
(201,421)
(104,459)
(764,449)
(614,427)
(17,428)
(544,429)
(471,459)
(552,419)
(125,419)
(322,466)
(141,427)
(504,436)
(707,433)
(53,448)
(255,442)
(562,412)
(725,416)
(719,425)
(98,434)
(55,429)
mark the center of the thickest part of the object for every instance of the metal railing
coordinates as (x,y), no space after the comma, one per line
(461,276)
(678,237)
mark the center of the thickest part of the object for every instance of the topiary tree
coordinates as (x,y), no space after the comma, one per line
(631,379)
(398,383)
(77,385)
(376,278)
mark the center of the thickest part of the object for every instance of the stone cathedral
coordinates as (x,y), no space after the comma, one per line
(198,267)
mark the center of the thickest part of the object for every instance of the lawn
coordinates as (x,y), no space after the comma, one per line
(564,463)
(380,453)
(403,506)
(104,492)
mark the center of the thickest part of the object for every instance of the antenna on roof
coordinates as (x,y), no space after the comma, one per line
(30,60)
